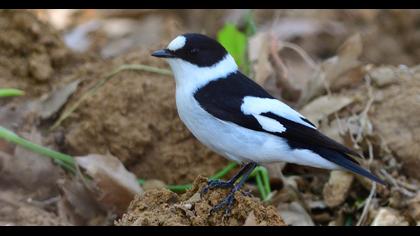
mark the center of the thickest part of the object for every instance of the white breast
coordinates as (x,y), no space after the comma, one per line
(240,144)
(226,138)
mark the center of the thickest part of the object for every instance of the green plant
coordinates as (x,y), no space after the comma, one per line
(10,92)
(235,43)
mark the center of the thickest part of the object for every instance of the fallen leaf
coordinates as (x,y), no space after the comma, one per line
(290,27)
(30,170)
(334,69)
(117,186)
(322,107)
(57,99)
(78,204)
(294,214)
(259,52)
(337,188)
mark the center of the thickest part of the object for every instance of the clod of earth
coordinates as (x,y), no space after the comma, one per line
(162,207)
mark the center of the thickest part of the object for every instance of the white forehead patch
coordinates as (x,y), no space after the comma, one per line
(177,43)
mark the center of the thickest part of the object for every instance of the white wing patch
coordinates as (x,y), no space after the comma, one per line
(177,43)
(270,124)
(256,105)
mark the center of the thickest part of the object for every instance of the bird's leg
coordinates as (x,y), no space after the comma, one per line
(217,183)
(228,201)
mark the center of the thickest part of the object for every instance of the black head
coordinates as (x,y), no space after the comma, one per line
(197,49)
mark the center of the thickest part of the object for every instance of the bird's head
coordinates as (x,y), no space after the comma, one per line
(197,57)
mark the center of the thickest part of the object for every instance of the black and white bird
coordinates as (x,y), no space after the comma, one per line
(238,119)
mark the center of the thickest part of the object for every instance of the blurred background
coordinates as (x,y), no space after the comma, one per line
(88,117)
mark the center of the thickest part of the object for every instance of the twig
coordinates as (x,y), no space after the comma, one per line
(372,190)
(394,182)
(367,204)
(97,85)
(305,56)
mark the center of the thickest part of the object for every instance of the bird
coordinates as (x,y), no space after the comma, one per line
(238,119)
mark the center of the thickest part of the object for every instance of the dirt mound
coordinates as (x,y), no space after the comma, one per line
(134,117)
(31,52)
(162,207)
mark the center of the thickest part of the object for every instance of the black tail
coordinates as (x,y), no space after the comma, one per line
(346,162)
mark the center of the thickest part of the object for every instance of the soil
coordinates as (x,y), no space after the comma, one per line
(31,53)
(162,207)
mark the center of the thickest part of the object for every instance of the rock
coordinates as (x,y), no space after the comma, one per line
(389,217)
(396,120)
(294,214)
(336,190)
(383,76)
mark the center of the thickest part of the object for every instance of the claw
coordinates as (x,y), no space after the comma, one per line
(226,203)
(246,193)
(216,183)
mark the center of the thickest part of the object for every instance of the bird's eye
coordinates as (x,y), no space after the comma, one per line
(194,51)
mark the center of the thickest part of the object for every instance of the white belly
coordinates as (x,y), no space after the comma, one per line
(240,144)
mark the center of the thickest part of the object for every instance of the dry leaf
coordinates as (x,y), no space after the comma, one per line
(294,214)
(57,99)
(259,52)
(335,68)
(30,170)
(337,188)
(116,184)
(324,106)
(78,204)
(289,27)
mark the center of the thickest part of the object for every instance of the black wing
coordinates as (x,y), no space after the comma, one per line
(223,99)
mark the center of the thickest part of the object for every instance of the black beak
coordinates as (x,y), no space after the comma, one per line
(164,53)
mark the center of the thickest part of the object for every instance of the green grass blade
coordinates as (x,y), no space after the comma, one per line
(224,171)
(14,138)
(10,92)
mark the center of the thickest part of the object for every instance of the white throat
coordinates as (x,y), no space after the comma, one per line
(191,77)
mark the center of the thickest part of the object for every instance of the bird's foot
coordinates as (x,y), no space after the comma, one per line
(216,183)
(246,193)
(226,203)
